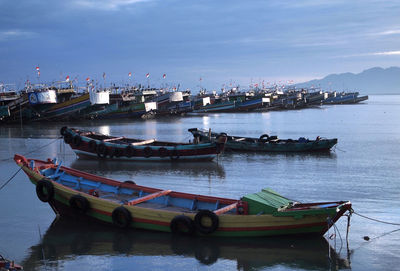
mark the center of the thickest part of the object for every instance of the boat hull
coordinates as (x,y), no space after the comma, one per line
(68,183)
(113,148)
(236,143)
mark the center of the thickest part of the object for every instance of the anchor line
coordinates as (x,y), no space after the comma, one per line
(376,220)
(12,177)
(35,149)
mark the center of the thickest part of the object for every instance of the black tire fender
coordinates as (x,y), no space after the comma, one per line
(101,150)
(198,221)
(263,138)
(112,152)
(118,152)
(45,190)
(79,203)
(174,154)
(68,138)
(162,152)
(77,140)
(182,224)
(121,217)
(92,145)
(63,130)
(147,152)
(129,151)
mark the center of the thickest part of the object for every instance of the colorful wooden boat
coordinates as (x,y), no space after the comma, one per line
(265,143)
(127,205)
(93,145)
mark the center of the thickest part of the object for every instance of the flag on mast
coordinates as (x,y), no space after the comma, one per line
(147,75)
(129,74)
(67,78)
(88,79)
(164,76)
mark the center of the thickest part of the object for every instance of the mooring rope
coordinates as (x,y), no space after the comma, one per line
(9,180)
(337,148)
(34,149)
(376,220)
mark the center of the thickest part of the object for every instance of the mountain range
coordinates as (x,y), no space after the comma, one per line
(372,81)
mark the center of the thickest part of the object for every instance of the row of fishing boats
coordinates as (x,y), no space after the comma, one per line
(77,194)
(63,101)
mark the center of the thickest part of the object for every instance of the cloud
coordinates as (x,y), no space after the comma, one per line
(106,4)
(389,32)
(15,34)
(387,53)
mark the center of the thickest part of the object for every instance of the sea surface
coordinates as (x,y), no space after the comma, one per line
(363,168)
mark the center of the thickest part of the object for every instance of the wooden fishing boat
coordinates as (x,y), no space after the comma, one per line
(87,144)
(225,106)
(265,143)
(127,205)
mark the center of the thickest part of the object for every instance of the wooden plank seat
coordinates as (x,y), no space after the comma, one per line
(149,197)
(226,209)
(113,139)
(144,142)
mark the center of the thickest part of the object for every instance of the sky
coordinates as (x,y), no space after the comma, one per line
(202,43)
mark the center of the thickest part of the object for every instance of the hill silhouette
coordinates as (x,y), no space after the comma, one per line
(372,81)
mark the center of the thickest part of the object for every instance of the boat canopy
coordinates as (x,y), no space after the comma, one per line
(265,202)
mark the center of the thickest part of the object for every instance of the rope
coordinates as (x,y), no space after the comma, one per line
(336,148)
(376,220)
(34,149)
(9,180)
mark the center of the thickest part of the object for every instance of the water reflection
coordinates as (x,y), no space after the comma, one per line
(193,169)
(65,240)
(281,155)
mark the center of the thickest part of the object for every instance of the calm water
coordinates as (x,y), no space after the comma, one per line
(364,168)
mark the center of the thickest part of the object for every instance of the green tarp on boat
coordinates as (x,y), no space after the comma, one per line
(265,202)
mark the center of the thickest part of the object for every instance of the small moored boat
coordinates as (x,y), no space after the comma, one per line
(265,143)
(127,205)
(89,144)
